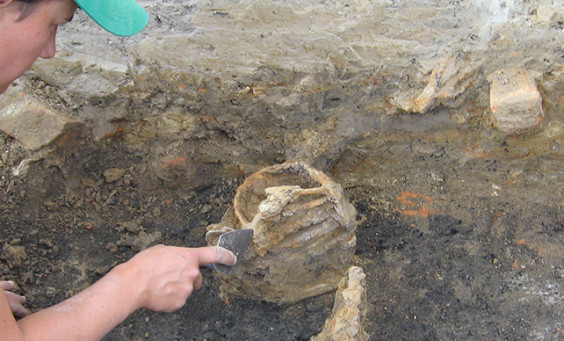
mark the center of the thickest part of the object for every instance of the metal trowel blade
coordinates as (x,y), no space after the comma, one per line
(237,242)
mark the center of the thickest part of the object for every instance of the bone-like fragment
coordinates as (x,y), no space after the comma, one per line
(304,234)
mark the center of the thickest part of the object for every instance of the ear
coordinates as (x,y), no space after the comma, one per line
(5,3)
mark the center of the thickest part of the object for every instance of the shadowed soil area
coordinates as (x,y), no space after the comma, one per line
(460,235)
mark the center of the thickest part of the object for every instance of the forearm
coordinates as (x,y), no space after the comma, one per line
(88,315)
(160,278)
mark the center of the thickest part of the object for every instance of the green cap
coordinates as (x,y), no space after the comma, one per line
(120,17)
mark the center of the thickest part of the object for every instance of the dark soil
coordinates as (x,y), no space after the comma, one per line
(68,222)
(460,236)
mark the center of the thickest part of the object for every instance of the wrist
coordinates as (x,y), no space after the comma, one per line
(125,279)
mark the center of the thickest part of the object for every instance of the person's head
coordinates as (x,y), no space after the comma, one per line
(28,28)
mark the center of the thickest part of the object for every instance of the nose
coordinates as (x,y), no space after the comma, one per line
(50,48)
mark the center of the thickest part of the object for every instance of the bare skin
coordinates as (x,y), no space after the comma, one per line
(16,302)
(160,278)
(23,41)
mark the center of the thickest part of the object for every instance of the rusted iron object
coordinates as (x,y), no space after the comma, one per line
(304,234)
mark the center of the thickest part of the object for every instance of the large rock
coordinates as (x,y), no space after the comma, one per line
(515,101)
(30,122)
(304,234)
(450,77)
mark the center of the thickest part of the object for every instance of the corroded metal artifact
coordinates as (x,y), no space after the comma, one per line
(304,234)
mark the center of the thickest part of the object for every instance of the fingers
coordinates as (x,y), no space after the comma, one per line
(16,304)
(19,311)
(198,282)
(15,301)
(15,297)
(169,274)
(215,254)
(7,285)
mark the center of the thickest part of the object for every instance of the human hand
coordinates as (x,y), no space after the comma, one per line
(15,301)
(163,277)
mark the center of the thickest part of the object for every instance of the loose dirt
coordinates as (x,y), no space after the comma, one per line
(460,235)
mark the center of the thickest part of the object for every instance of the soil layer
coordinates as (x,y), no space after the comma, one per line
(460,236)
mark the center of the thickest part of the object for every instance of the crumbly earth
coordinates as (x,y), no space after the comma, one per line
(460,228)
(460,235)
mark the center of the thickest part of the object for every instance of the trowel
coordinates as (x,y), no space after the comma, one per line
(235,241)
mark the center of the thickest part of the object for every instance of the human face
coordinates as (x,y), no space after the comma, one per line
(23,41)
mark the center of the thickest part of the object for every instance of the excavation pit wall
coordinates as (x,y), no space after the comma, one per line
(253,83)
(409,105)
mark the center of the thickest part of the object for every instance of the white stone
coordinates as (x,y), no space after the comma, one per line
(30,122)
(346,322)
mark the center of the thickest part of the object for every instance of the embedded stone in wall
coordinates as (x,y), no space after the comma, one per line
(450,77)
(174,169)
(304,234)
(82,74)
(57,71)
(515,101)
(349,311)
(30,122)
